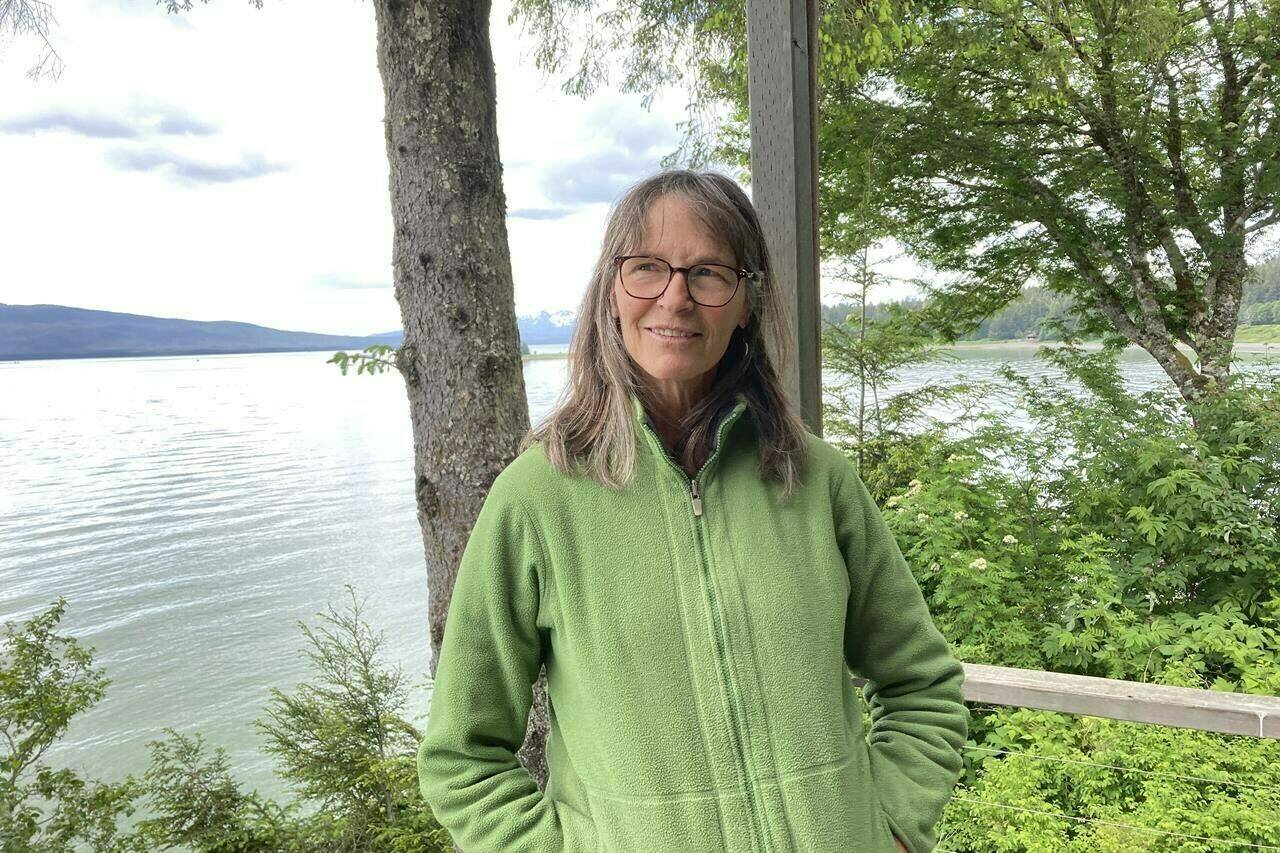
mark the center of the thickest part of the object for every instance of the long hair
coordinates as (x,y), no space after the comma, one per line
(593,425)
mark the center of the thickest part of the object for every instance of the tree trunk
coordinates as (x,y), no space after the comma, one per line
(452,269)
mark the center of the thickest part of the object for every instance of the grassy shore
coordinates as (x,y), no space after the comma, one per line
(1258,334)
(1248,339)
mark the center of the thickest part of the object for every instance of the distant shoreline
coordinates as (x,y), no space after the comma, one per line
(6,358)
(1009,344)
(1237,347)
(9,359)
(547,356)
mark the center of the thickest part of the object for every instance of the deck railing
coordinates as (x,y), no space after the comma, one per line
(1132,701)
(1155,704)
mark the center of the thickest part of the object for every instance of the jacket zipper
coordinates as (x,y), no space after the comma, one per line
(757,822)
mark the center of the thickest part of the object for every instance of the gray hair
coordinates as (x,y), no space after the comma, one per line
(593,424)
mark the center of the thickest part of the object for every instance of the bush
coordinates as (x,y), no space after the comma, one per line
(1105,533)
(339,741)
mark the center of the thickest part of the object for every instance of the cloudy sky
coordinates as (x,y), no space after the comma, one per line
(228,163)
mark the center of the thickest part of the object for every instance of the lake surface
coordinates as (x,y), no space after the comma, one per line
(192,509)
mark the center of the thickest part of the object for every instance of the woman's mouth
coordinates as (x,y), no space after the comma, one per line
(672,336)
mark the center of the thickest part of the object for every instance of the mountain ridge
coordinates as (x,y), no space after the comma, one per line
(45,331)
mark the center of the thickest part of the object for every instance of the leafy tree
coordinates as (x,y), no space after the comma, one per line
(199,805)
(1125,154)
(869,355)
(19,18)
(1261,303)
(1122,154)
(339,741)
(46,679)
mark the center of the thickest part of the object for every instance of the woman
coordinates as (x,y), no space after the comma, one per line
(699,574)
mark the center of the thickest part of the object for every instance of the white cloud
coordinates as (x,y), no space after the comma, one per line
(229,163)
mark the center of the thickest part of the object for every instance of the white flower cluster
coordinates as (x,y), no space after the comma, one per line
(978,564)
(894,500)
(1010,539)
(960,515)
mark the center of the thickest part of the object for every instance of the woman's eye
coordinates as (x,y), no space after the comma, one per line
(703,271)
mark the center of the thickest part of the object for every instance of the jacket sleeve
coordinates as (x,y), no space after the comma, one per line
(490,656)
(919,721)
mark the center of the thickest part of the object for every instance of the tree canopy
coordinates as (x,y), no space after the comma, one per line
(1125,153)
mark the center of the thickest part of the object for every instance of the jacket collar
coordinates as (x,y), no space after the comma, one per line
(721,428)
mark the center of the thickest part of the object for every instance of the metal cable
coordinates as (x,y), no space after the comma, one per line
(1125,769)
(1164,832)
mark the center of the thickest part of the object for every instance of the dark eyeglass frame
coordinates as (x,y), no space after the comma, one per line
(742,273)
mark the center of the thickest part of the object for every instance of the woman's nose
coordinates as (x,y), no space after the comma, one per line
(677,293)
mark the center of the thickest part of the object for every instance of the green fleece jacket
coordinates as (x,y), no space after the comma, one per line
(698,637)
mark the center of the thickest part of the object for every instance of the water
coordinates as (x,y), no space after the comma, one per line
(192,509)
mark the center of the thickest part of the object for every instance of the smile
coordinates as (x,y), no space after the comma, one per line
(671,336)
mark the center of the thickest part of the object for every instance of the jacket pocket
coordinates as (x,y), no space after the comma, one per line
(579,831)
(834,809)
(891,843)
(704,822)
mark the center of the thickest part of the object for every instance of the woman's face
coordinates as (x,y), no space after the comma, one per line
(678,368)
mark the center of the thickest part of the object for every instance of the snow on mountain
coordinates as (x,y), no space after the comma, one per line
(547,327)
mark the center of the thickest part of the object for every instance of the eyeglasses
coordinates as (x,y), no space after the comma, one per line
(712,285)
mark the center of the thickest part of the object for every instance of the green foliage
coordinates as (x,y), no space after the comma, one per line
(199,805)
(338,740)
(870,356)
(1091,530)
(1261,303)
(340,743)
(1122,537)
(174,6)
(1122,156)
(376,358)
(696,44)
(1037,311)
(1266,334)
(1031,314)
(1139,787)
(46,679)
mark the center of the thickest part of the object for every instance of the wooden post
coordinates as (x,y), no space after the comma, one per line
(782,78)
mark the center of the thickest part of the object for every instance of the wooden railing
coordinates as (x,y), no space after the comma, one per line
(1135,702)
(1156,704)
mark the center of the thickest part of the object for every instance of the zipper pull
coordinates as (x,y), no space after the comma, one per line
(697,499)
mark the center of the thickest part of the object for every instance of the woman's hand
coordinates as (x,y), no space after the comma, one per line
(900,846)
